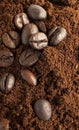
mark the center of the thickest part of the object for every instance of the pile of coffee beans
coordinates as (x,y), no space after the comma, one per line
(34,36)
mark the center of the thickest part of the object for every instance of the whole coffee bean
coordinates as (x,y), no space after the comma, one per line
(28,30)
(36,12)
(11,39)
(56,35)
(4,124)
(41,25)
(43,109)
(38,41)
(20,20)
(29,57)
(6,58)
(7,81)
(29,77)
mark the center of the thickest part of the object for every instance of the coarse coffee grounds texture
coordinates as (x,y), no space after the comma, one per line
(57,70)
(65,2)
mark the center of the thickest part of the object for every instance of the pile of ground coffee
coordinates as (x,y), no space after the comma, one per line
(57,71)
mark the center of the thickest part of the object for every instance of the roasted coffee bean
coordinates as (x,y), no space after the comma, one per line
(29,77)
(4,124)
(29,57)
(20,20)
(6,58)
(41,25)
(43,109)
(28,30)
(7,81)
(56,35)
(38,41)
(11,39)
(36,12)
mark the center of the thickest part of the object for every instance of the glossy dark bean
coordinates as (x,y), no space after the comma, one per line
(41,25)
(11,39)
(29,77)
(36,12)
(7,82)
(20,20)
(56,35)
(38,41)
(29,57)
(28,30)
(43,109)
(4,124)
(6,58)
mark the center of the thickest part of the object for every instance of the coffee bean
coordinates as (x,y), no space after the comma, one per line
(4,124)
(7,81)
(6,58)
(29,57)
(43,109)
(38,41)
(29,77)
(20,20)
(36,12)
(11,39)
(28,30)
(41,25)
(56,35)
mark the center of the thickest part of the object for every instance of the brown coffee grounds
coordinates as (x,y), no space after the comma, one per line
(57,70)
(66,2)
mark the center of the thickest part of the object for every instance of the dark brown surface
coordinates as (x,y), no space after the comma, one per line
(65,2)
(57,72)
